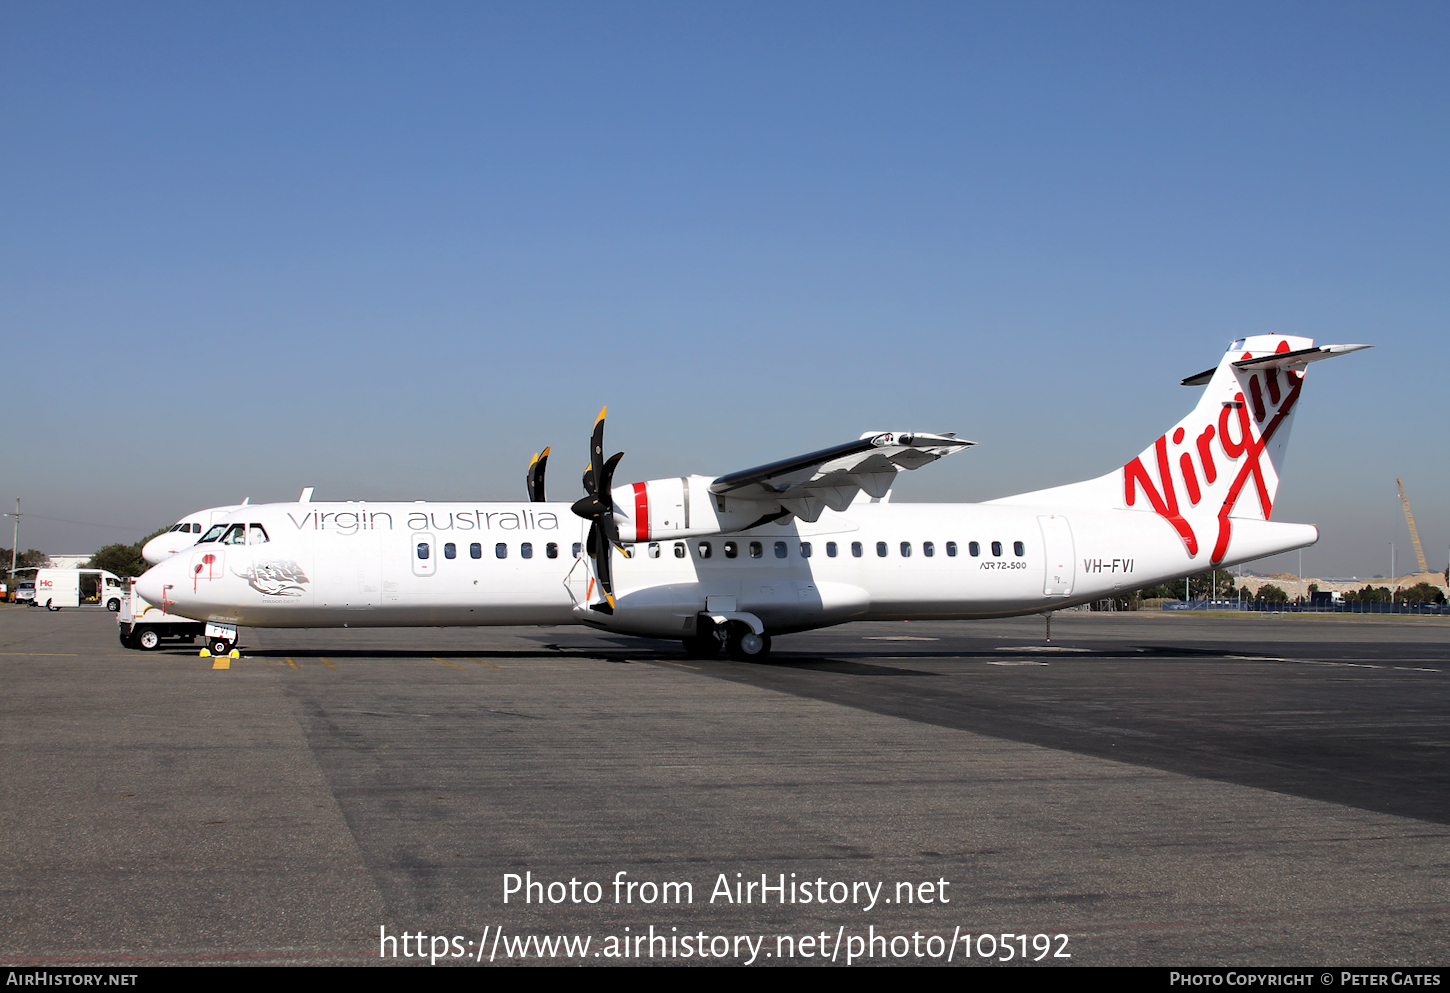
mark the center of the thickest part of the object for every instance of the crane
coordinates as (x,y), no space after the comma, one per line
(1414,534)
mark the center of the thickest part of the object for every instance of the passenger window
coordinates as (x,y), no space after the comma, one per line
(526,550)
(422,551)
(951,549)
(973,549)
(654,549)
(731,550)
(780,550)
(830,549)
(552,549)
(577,548)
(856,549)
(997,548)
(881,549)
(756,551)
(450,551)
(805,549)
(679,549)
(704,548)
(256,534)
(475,551)
(928,549)
(906,549)
(1019,549)
(236,535)
(501,551)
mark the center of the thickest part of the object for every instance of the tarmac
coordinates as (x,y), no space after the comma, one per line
(1149,789)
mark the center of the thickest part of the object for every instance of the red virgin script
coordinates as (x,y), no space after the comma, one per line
(1162,494)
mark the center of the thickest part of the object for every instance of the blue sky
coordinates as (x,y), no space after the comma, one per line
(392,250)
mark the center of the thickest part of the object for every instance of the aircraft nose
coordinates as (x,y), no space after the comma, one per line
(152,585)
(153,553)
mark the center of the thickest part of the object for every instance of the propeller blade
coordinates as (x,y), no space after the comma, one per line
(534,479)
(599,551)
(608,485)
(596,451)
(597,507)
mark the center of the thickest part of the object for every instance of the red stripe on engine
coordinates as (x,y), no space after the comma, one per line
(641,512)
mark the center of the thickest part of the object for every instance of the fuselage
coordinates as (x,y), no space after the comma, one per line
(388,564)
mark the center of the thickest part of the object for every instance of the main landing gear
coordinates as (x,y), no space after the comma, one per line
(740,642)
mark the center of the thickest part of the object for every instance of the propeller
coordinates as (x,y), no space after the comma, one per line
(597,507)
(534,479)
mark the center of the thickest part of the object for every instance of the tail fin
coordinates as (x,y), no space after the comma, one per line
(1222,461)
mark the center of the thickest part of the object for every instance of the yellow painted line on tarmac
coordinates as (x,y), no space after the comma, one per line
(680,665)
(222,662)
(328,663)
(446,662)
(489,664)
(291,663)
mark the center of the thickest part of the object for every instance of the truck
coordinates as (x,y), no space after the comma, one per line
(144,625)
(57,588)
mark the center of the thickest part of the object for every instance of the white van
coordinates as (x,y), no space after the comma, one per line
(57,588)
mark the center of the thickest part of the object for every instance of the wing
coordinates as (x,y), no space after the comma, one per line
(831,477)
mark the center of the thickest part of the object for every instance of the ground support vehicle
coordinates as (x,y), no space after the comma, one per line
(144,625)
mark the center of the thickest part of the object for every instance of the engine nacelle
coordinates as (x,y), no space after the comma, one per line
(681,507)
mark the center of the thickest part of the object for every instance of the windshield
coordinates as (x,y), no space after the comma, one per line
(213,534)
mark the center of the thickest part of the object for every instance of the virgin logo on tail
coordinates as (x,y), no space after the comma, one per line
(1271,399)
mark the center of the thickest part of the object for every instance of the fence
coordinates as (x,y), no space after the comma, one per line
(1310,608)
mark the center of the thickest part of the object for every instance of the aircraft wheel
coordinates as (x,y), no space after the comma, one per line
(147,638)
(747,646)
(702,647)
(218,646)
(113,605)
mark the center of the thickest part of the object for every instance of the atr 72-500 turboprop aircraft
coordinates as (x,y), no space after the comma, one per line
(803,543)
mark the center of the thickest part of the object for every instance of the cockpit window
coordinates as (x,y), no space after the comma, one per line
(256,534)
(236,535)
(213,534)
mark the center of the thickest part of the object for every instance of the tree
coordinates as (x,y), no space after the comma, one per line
(30,559)
(124,560)
(1269,593)
(1422,593)
(1370,594)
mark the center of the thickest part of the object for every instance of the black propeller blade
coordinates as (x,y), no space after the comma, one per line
(597,507)
(535,476)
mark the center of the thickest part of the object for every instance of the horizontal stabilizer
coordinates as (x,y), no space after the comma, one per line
(1295,360)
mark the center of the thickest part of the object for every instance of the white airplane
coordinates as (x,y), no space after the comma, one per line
(184,533)
(803,543)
